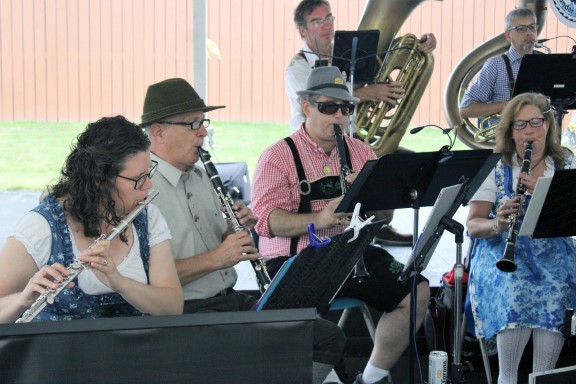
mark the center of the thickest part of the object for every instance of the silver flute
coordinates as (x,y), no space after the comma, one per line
(76,267)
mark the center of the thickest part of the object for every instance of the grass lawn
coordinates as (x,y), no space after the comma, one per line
(33,152)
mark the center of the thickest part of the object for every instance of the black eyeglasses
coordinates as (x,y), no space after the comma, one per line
(535,122)
(194,125)
(524,28)
(139,182)
(331,108)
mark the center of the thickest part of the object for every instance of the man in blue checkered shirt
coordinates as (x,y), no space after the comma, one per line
(493,88)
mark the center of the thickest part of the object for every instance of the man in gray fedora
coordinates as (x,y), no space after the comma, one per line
(205,246)
(285,209)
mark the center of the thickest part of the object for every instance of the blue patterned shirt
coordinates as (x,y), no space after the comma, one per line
(492,84)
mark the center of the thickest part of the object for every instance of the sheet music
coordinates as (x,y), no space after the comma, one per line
(535,206)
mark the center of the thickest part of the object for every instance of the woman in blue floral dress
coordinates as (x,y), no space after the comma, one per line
(530,301)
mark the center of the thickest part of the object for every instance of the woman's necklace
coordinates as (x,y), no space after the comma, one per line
(521,160)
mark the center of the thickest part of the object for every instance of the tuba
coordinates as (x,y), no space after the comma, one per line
(402,62)
(466,70)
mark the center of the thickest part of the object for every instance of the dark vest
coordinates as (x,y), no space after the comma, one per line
(73,303)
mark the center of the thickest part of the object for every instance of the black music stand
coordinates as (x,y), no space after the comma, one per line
(552,208)
(313,277)
(446,205)
(363,61)
(415,180)
(553,76)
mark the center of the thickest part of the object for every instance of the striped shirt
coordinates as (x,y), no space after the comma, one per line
(492,84)
(276,184)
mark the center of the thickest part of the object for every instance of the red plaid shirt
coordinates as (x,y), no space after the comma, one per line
(276,185)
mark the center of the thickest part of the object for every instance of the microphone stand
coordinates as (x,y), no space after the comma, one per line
(352,70)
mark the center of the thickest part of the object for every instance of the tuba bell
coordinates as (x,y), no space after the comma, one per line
(473,136)
(402,62)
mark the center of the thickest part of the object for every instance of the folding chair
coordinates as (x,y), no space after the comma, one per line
(346,304)
(236,179)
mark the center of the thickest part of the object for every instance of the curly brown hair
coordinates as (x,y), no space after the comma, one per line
(88,176)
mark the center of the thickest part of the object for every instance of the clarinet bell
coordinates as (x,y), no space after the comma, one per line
(506,263)
(361,275)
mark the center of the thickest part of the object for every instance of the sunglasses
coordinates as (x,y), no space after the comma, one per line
(331,108)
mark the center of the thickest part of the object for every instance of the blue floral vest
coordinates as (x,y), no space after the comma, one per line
(73,303)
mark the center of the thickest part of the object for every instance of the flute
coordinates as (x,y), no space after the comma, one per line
(77,266)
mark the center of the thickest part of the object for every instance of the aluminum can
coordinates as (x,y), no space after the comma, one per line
(438,367)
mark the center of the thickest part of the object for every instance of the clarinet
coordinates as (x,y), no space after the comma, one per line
(226,200)
(77,266)
(506,263)
(360,272)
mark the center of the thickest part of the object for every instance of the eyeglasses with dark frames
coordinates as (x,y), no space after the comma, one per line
(194,125)
(139,182)
(535,122)
(524,28)
(331,108)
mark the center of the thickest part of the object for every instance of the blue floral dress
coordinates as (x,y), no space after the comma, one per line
(538,292)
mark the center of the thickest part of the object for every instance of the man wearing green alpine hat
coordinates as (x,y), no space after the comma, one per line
(204,245)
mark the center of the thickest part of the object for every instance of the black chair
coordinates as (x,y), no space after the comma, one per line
(236,179)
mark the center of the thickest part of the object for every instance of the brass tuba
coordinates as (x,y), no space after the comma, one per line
(466,70)
(402,62)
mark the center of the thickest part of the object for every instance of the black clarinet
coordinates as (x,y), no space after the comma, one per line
(360,272)
(506,263)
(226,201)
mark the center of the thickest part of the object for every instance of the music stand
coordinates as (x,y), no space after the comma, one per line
(365,56)
(446,205)
(552,208)
(553,76)
(313,277)
(415,180)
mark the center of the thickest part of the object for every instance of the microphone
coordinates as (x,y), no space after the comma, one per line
(317,48)
(320,62)
(353,55)
(446,149)
(418,129)
(446,154)
(539,45)
(352,70)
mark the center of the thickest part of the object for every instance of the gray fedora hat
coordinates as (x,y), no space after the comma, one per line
(171,97)
(327,81)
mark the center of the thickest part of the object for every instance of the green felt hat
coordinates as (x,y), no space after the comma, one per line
(171,97)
